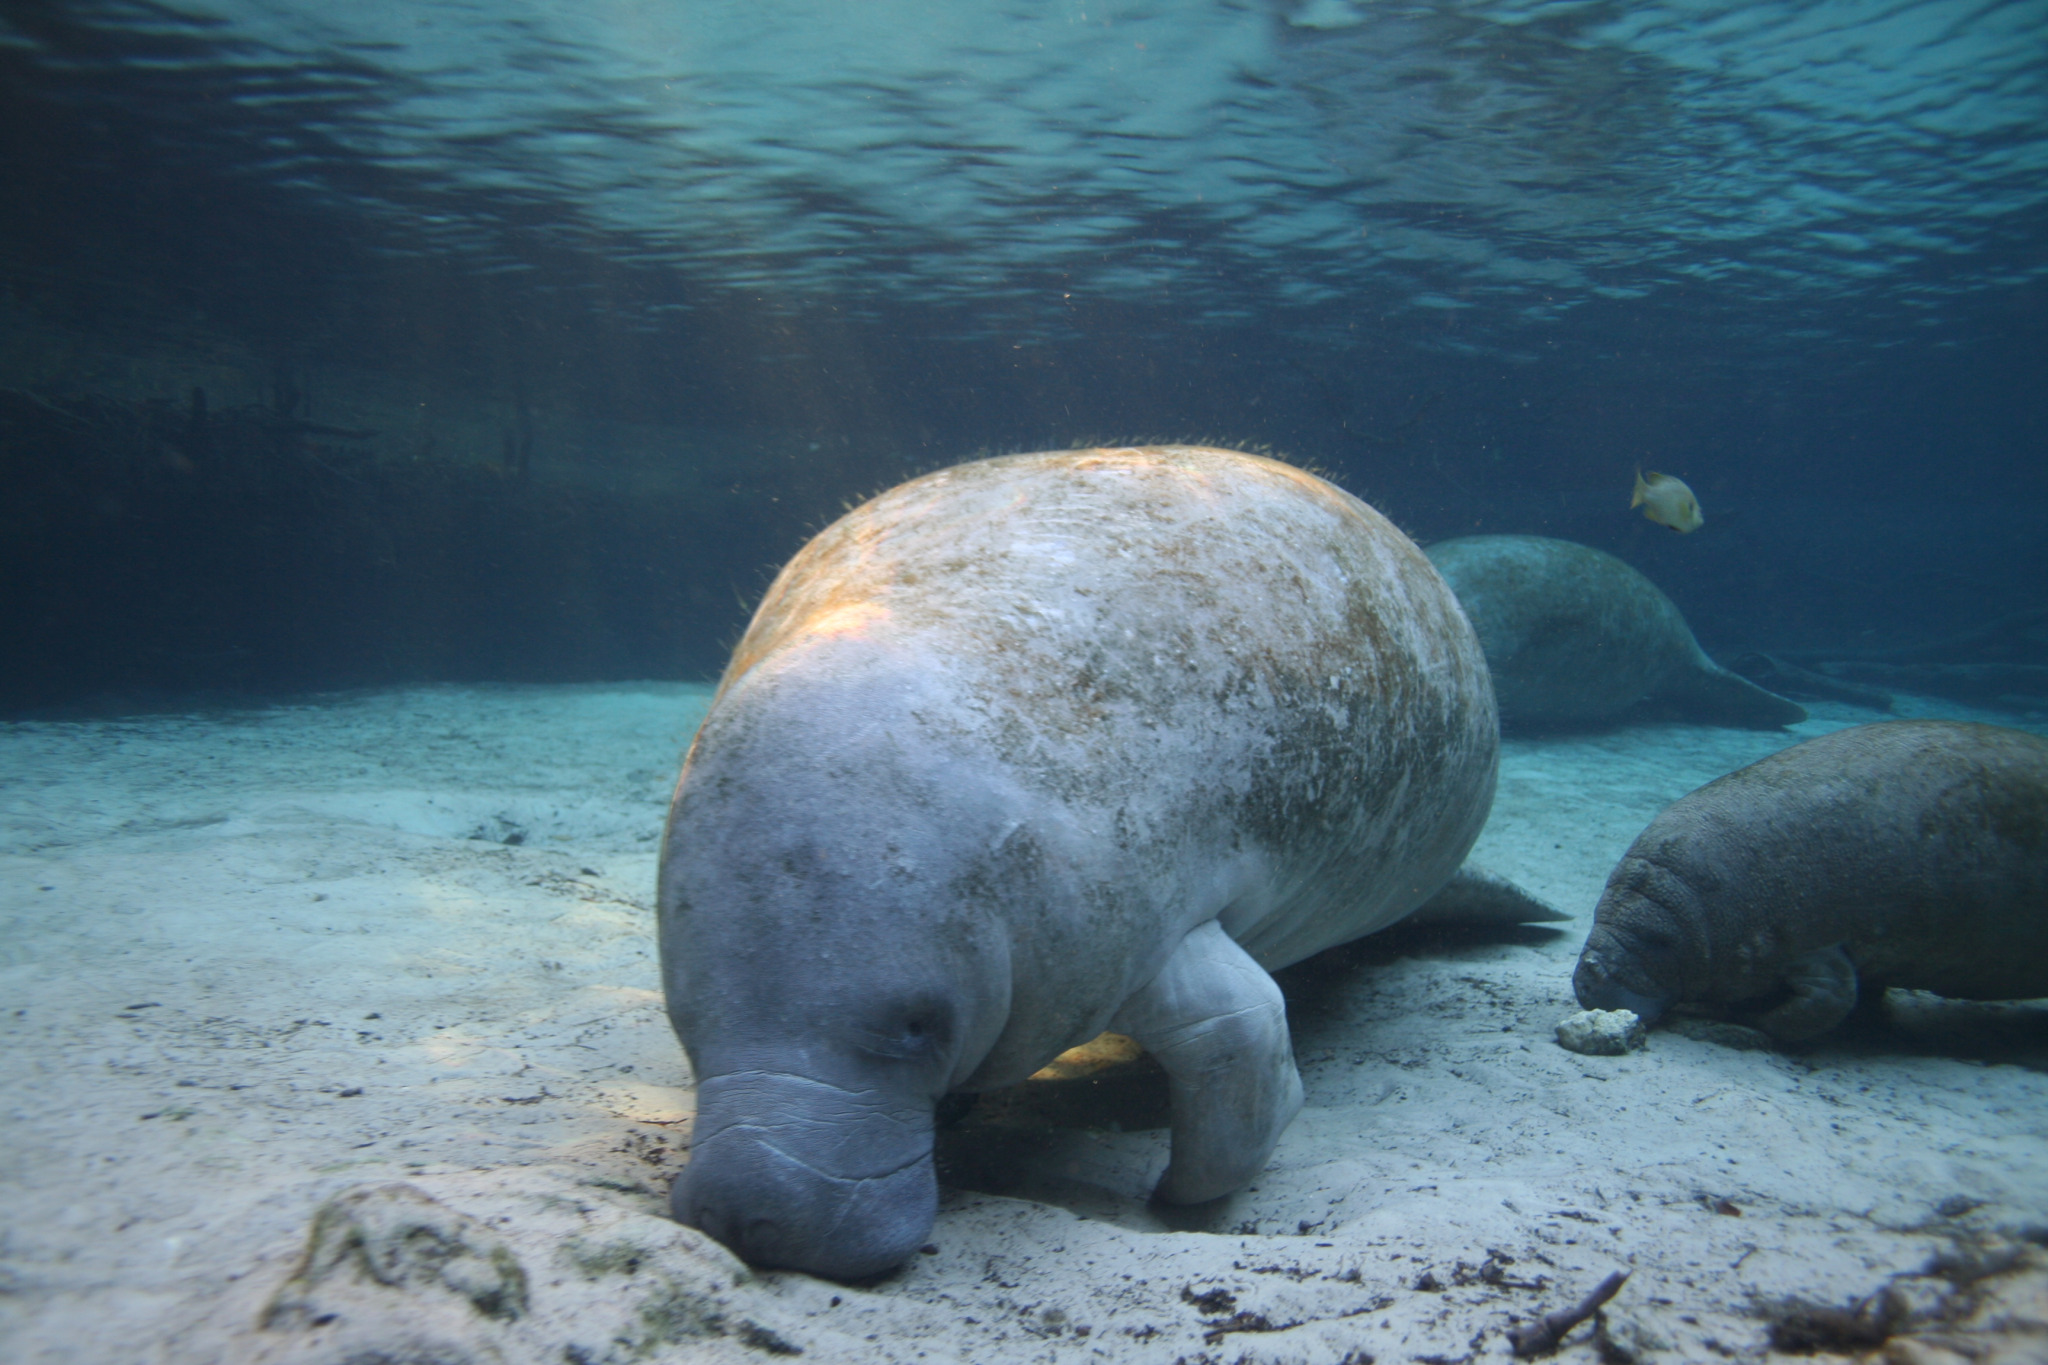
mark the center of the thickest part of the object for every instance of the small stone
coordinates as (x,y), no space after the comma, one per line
(1600,1033)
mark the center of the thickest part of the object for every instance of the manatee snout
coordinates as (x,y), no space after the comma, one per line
(847,1195)
(773,1210)
(1617,974)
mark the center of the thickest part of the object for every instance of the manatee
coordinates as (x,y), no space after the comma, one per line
(1576,638)
(1027,750)
(1905,853)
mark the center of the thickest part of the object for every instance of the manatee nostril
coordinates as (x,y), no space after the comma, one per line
(743,1231)
(696,1207)
(799,1208)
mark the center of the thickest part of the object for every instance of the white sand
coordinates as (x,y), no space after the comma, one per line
(253,961)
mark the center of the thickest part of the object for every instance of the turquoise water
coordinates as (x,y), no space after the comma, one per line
(724,267)
(1508,162)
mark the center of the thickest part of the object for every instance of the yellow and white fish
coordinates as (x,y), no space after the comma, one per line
(1667,501)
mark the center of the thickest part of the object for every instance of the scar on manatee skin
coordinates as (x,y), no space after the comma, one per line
(1547,1332)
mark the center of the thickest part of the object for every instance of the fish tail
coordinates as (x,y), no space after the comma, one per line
(1642,489)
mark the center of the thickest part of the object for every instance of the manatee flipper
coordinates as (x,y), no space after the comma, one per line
(1705,691)
(1474,895)
(1218,1025)
(1823,986)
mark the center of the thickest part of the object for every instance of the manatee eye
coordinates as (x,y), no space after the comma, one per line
(928,1027)
(914,1029)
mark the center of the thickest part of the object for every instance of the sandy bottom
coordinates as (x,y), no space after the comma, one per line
(392,956)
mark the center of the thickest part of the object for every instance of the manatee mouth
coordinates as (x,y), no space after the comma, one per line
(1612,997)
(773,1208)
(1597,988)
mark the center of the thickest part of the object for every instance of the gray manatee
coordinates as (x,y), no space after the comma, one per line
(1906,853)
(1575,637)
(1026,750)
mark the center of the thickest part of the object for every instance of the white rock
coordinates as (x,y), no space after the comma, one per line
(1600,1033)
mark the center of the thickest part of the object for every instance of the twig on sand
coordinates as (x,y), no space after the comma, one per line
(1544,1334)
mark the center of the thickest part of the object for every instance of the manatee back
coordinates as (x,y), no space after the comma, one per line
(1242,679)
(1572,635)
(1920,846)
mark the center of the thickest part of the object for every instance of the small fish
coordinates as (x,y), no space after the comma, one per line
(1667,501)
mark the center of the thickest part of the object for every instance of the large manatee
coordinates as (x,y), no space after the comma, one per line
(1028,749)
(1575,637)
(1906,853)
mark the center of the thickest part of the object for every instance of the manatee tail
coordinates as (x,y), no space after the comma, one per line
(1475,896)
(1711,694)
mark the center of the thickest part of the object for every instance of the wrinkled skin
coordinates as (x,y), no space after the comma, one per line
(1907,853)
(1028,749)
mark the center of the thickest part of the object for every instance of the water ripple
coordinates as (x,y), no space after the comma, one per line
(1527,157)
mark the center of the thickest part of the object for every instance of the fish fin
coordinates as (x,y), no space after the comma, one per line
(1642,489)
